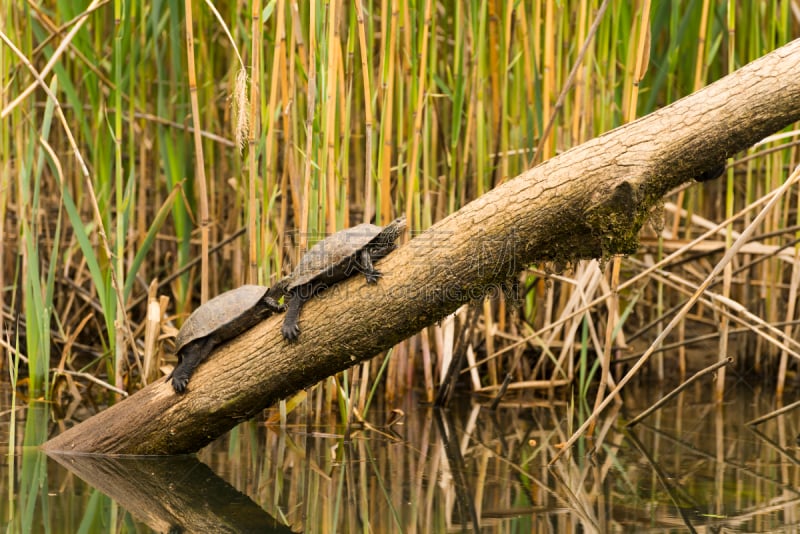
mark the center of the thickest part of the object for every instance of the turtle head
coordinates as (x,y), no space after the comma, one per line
(279,289)
(386,240)
(393,230)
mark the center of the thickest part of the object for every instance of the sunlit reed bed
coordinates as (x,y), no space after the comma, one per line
(288,120)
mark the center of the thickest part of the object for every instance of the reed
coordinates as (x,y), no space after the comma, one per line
(295,119)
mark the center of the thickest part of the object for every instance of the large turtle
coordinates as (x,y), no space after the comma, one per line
(334,259)
(222,318)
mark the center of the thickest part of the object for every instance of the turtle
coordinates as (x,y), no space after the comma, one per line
(335,258)
(220,319)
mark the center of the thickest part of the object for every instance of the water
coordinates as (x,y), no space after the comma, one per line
(691,465)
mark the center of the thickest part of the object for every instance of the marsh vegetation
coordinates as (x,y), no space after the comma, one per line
(140,177)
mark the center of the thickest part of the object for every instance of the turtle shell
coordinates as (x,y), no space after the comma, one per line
(226,315)
(335,251)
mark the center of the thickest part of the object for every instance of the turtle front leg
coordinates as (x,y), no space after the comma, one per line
(191,356)
(290,328)
(370,273)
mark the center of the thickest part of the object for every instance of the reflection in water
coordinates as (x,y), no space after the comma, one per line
(690,466)
(172,494)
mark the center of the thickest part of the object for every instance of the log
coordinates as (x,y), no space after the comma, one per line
(588,202)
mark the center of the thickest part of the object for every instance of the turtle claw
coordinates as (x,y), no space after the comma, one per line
(373,277)
(290,331)
(179,384)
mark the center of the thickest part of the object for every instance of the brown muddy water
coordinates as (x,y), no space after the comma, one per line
(691,466)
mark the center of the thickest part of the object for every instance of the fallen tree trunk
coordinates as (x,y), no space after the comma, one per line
(587,202)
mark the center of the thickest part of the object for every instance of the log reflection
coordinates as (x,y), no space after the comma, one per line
(175,494)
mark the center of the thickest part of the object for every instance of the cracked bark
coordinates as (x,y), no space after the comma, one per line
(587,202)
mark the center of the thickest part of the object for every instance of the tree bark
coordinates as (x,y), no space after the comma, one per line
(588,202)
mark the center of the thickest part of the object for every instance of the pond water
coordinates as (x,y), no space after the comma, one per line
(690,466)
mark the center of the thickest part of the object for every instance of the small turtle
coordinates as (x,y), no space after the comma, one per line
(222,318)
(334,259)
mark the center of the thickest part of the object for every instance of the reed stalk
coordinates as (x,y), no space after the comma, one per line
(200,173)
(304,200)
(727,274)
(254,129)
